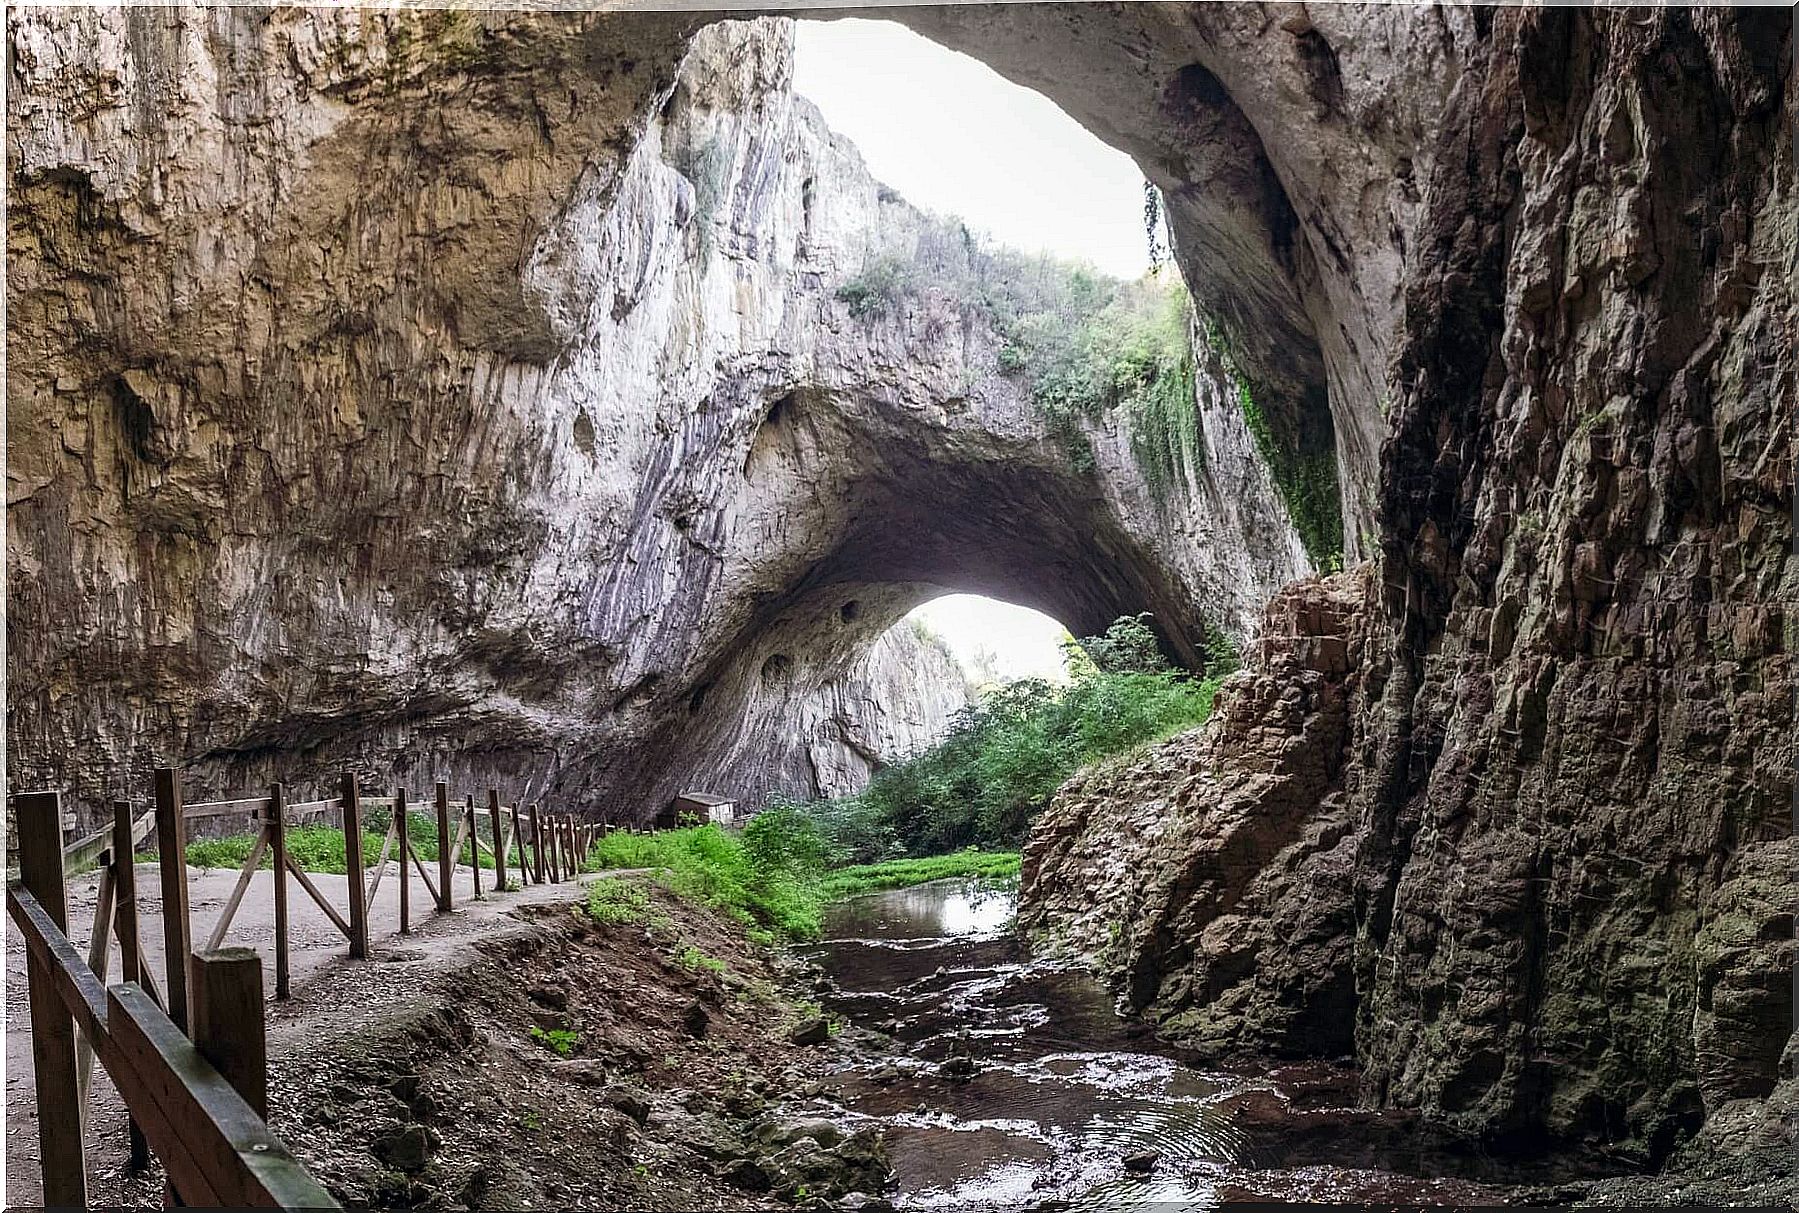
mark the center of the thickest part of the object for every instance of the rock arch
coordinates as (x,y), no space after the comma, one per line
(514,444)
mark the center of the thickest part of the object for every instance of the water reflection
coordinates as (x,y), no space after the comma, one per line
(1063,1093)
(930,913)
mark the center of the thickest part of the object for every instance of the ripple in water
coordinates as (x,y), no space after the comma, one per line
(1065,1090)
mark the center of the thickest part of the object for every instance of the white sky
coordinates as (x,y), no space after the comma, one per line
(953,136)
(1015,641)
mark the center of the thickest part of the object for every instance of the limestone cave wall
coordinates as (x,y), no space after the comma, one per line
(467,395)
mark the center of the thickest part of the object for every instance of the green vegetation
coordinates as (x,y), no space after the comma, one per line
(320,848)
(768,875)
(696,961)
(1306,482)
(611,900)
(562,1041)
(1006,755)
(314,848)
(903,873)
(922,819)
(1087,344)
(1084,343)
(777,875)
(883,284)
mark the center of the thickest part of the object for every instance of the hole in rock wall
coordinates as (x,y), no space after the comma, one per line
(777,670)
(850,611)
(638,693)
(773,437)
(994,641)
(584,433)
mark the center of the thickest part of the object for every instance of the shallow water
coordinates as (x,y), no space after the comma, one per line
(1063,1090)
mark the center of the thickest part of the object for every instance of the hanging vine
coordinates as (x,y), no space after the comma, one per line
(1152,226)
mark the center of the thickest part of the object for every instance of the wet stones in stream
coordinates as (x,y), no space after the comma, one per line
(1008,1083)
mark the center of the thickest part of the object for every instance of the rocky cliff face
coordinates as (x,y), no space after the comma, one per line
(493,411)
(1173,870)
(1550,804)
(469,396)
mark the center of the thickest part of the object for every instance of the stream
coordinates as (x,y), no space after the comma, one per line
(1012,1084)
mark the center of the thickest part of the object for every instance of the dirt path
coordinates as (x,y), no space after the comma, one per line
(320,971)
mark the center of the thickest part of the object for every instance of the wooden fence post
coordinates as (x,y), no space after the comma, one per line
(60,1152)
(171,846)
(405,849)
(277,827)
(130,956)
(518,840)
(446,862)
(474,843)
(359,910)
(536,843)
(499,839)
(229,1029)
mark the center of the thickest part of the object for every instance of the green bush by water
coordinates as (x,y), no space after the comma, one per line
(778,873)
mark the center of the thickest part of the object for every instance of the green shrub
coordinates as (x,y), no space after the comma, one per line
(883,284)
(561,1041)
(1005,756)
(611,900)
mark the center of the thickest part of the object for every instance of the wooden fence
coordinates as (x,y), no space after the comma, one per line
(554,849)
(194,1084)
(200,1103)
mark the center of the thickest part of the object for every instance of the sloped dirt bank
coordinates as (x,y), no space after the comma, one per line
(562,1063)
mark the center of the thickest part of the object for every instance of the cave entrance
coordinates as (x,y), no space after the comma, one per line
(997,129)
(994,641)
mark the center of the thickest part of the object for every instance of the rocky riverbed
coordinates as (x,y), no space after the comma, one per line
(1001,1082)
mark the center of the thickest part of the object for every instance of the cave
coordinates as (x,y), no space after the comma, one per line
(561,442)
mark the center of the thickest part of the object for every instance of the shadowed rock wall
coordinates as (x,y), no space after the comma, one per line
(1531,857)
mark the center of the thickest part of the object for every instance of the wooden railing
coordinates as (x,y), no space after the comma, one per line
(189,1059)
(555,850)
(198,1104)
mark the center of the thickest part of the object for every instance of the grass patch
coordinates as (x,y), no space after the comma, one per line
(696,961)
(611,900)
(320,848)
(760,877)
(776,876)
(902,873)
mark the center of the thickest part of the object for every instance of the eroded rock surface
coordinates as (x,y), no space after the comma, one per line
(422,434)
(1558,830)
(526,442)
(1211,876)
